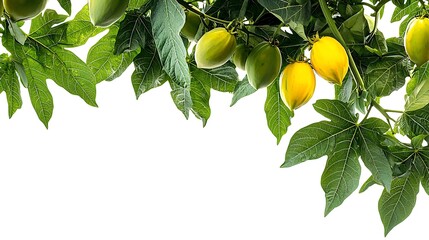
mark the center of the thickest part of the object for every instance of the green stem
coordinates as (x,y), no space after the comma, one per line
(380,5)
(331,23)
(393,111)
(197,11)
(244,29)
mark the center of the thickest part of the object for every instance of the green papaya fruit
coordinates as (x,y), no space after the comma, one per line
(24,9)
(240,56)
(263,65)
(191,26)
(104,13)
(215,48)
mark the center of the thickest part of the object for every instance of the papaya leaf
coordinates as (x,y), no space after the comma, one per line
(367,184)
(200,95)
(169,44)
(136,4)
(76,32)
(386,75)
(342,172)
(104,64)
(40,96)
(16,32)
(419,97)
(66,5)
(414,123)
(242,89)
(132,32)
(10,84)
(148,73)
(336,111)
(223,78)
(395,206)
(277,113)
(181,98)
(371,153)
(410,10)
(288,11)
(41,27)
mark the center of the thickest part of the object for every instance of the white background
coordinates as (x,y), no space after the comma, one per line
(138,170)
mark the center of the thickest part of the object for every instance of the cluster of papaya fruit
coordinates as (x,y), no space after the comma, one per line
(103,13)
(263,63)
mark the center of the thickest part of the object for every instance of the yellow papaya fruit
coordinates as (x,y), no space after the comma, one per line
(329,59)
(240,56)
(297,84)
(23,9)
(104,13)
(417,40)
(263,65)
(215,48)
(192,24)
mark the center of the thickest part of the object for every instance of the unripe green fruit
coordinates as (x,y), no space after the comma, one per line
(23,9)
(263,65)
(191,26)
(104,13)
(214,48)
(417,40)
(240,56)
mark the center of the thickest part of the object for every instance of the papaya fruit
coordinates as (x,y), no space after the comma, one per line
(23,9)
(192,24)
(263,65)
(104,13)
(240,56)
(417,40)
(329,59)
(297,84)
(215,48)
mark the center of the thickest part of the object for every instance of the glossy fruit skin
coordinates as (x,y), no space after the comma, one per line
(240,56)
(263,65)
(191,26)
(215,48)
(23,9)
(297,84)
(417,40)
(104,13)
(329,59)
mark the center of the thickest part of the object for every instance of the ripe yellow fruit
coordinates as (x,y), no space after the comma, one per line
(329,59)
(297,84)
(215,48)
(24,9)
(191,26)
(104,13)
(417,40)
(263,65)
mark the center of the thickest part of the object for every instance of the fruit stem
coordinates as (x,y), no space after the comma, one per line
(331,23)
(384,113)
(244,29)
(197,11)
(393,111)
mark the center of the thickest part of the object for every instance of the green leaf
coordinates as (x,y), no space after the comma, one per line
(415,123)
(181,98)
(355,28)
(336,111)
(70,72)
(135,4)
(16,32)
(148,72)
(277,113)
(420,95)
(396,206)
(10,84)
(223,78)
(242,89)
(342,172)
(367,184)
(132,32)
(372,154)
(378,44)
(104,64)
(410,10)
(66,5)
(76,32)
(289,10)
(200,95)
(41,26)
(169,44)
(40,96)
(313,141)
(386,75)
